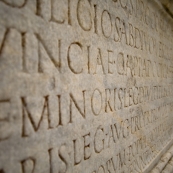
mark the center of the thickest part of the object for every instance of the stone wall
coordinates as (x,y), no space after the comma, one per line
(86,86)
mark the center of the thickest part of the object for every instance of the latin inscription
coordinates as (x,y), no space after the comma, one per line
(86,86)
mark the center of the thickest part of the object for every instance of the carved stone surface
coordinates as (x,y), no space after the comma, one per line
(168,5)
(165,165)
(86,86)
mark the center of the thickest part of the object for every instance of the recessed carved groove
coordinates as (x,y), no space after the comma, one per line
(14,6)
(3,41)
(38,7)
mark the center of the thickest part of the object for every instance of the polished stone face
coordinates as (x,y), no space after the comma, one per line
(86,86)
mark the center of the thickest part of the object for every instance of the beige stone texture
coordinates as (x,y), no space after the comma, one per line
(86,86)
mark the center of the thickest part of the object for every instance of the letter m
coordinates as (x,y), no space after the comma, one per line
(35,115)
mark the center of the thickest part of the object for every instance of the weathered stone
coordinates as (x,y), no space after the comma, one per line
(168,5)
(86,86)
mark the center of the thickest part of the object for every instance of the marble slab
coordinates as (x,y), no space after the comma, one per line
(86,86)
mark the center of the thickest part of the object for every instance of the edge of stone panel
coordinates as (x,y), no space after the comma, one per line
(163,8)
(168,6)
(157,158)
(169,17)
